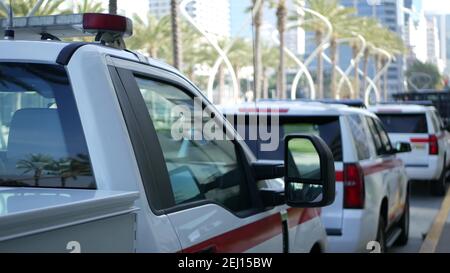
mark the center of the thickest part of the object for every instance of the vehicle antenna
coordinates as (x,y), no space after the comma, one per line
(9,32)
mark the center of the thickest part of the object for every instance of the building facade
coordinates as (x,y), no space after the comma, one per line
(213,16)
(391,14)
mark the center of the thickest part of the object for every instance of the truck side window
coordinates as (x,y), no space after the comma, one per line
(381,138)
(360,136)
(199,168)
(42,143)
(387,146)
(375,136)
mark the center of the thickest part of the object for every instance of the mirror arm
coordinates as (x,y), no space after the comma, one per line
(272,198)
(265,170)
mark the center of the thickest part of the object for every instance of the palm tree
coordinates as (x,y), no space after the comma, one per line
(379,37)
(151,36)
(176,35)
(257,58)
(356,47)
(343,26)
(239,56)
(327,8)
(195,50)
(342,22)
(281,25)
(112,6)
(371,30)
(23,7)
(270,61)
(35,163)
(88,6)
(394,45)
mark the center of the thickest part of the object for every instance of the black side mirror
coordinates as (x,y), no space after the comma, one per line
(403,147)
(310,174)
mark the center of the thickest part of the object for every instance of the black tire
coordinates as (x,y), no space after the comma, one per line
(381,234)
(438,187)
(404,226)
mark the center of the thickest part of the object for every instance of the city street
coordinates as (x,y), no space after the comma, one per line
(424,209)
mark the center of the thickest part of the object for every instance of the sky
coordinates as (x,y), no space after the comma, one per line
(135,6)
(436,6)
(141,6)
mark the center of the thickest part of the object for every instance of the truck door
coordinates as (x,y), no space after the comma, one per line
(205,185)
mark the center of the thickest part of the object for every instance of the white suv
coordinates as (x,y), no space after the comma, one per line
(372,194)
(422,126)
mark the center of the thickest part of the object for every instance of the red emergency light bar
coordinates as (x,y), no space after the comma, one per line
(97,22)
(69,26)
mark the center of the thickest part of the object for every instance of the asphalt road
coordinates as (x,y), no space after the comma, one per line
(424,209)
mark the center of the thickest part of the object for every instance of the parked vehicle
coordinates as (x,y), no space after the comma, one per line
(97,118)
(439,99)
(423,127)
(372,193)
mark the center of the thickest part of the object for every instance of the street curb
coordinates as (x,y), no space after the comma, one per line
(433,236)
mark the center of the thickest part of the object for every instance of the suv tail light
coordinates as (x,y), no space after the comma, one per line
(433,145)
(354,192)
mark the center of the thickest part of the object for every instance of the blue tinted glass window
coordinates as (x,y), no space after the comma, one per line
(41,138)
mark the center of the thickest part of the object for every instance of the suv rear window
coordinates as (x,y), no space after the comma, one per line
(328,128)
(41,138)
(405,123)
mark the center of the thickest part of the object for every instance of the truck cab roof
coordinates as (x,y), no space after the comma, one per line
(61,52)
(295,108)
(400,108)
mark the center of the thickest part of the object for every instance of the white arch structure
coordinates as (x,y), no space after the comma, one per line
(314,54)
(220,59)
(312,88)
(379,74)
(354,61)
(338,69)
(214,43)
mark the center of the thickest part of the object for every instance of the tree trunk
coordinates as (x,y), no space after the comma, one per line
(334,61)
(237,70)
(320,77)
(221,84)
(365,71)
(356,72)
(176,35)
(112,6)
(153,52)
(265,85)
(385,83)
(257,58)
(377,69)
(281,77)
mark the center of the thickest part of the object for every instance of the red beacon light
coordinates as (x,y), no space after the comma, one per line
(108,28)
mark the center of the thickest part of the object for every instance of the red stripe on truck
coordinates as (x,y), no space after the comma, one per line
(254,234)
(379,167)
(375,168)
(420,140)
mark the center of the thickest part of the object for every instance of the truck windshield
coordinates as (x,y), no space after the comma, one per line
(405,123)
(41,138)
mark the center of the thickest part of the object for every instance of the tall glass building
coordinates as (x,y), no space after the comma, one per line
(390,13)
(214,16)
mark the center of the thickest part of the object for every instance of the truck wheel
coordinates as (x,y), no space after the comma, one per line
(438,186)
(381,234)
(404,226)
